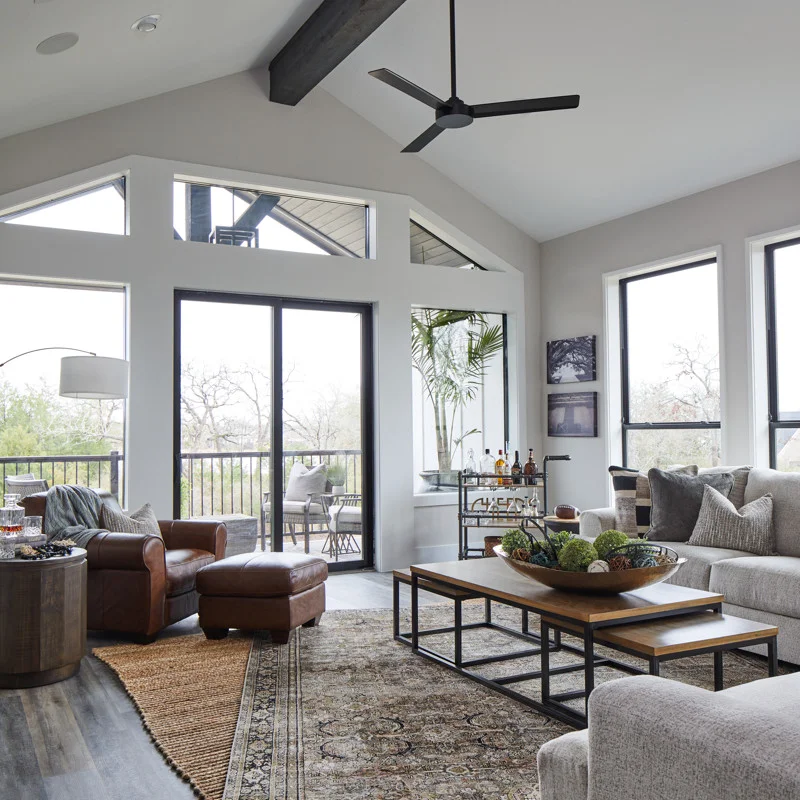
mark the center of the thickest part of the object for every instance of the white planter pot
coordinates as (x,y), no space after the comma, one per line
(337,490)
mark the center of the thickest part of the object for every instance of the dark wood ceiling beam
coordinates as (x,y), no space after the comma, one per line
(324,40)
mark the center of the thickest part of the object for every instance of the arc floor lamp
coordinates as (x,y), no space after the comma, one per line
(88,376)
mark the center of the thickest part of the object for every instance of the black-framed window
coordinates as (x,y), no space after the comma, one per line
(783,334)
(427,248)
(669,335)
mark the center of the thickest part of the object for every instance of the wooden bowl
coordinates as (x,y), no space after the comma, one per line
(626,580)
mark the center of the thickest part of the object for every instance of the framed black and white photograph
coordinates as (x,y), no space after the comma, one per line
(572,360)
(572,414)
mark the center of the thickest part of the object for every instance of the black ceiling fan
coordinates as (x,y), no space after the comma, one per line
(455,113)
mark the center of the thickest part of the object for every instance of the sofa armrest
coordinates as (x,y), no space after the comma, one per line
(127,551)
(564,767)
(596,520)
(195,535)
(656,738)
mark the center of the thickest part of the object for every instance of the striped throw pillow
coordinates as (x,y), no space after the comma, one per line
(142,521)
(632,498)
(720,524)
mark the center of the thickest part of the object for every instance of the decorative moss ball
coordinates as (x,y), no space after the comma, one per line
(609,540)
(515,539)
(576,555)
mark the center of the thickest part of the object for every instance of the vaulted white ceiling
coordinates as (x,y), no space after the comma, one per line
(676,96)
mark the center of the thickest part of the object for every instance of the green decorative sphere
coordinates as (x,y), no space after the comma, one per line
(609,540)
(515,539)
(576,555)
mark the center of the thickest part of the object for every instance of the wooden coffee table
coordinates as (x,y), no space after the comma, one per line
(584,615)
(680,637)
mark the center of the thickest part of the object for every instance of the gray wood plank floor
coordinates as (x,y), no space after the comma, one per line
(82,739)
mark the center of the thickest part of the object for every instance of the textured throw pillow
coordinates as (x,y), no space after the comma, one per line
(676,502)
(721,525)
(632,498)
(740,476)
(141,521)
(304,481)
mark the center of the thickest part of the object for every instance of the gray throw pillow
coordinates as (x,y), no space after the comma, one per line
(721,525)
(676,501)
(141,521)
(740,476)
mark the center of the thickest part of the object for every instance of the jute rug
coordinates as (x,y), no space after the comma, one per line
(345,713)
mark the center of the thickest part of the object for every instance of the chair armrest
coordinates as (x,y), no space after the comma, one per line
(650,737)
(127,551)
(195,535)
(596,520)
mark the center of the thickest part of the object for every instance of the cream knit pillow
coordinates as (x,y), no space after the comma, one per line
(141,521)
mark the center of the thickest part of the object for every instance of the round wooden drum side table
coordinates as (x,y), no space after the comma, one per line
(42,619)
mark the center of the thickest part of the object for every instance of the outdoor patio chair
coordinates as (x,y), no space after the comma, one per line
(25,485)
(302,503)
(344,524)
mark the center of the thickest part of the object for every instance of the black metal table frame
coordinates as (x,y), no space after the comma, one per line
(553,705)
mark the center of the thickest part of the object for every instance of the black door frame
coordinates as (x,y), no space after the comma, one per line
(278,304)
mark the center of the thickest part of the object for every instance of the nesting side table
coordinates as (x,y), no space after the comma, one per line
(42,619)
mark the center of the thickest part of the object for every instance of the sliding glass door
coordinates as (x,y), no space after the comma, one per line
(286,464)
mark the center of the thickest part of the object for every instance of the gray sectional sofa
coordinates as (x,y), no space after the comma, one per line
(761,588)
(655,739)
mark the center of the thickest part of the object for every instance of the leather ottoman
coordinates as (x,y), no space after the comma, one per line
(276,592)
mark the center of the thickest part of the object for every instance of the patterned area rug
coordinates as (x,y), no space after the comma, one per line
(346,712)
(343,712)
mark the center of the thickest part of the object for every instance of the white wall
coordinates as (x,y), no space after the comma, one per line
(572,292)
(229,125)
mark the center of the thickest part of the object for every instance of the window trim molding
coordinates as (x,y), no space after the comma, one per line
(775,423)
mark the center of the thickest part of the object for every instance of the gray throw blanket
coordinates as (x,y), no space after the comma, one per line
(72,512)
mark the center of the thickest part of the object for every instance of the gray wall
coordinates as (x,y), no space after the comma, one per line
(573,304)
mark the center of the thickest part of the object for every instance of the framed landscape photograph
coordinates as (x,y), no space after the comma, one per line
(572,360)
(573,414)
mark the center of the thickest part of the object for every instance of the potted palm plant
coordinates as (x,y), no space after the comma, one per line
(451,350)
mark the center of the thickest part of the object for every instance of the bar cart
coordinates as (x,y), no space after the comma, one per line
(500,504)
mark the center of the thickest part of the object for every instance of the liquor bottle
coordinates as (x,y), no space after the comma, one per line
(507,480)
(11,516)
(499,467)
(530,470)
(487,463)
(516,469)
(470,469)
(535,503)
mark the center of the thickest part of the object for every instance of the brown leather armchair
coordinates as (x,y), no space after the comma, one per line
(140,584)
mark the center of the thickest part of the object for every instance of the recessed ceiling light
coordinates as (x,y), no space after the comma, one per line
(146,24)
(57,44)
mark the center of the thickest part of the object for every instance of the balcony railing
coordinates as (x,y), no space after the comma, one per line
(234,483)
(95,471)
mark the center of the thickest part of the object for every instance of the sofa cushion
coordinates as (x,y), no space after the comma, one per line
(740,476)
(696,572)
(720,524)
(262,575)
(182,568)
(765,583)
(677,500)
(782,691)
(785,490)
(632,498)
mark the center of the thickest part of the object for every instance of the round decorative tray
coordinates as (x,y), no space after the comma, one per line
(626,580)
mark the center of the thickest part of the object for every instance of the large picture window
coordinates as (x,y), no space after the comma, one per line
(459,371)
(670,367)
(53,438)
(783,329)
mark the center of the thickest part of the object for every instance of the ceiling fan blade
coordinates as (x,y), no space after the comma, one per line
(526,106)
(411,89)
(423,139)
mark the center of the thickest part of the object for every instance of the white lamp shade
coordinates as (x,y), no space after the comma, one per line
(94,377)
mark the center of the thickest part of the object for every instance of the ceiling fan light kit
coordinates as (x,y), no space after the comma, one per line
(454,112)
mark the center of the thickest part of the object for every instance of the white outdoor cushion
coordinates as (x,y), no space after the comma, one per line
(345,518)
(296,508)
(304,481)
